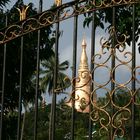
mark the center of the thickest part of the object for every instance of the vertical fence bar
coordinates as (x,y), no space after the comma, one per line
(20,91)
(75,27)
(91,69)
(3,87)
(55,81)
(37,78)
(37,86)
(133,66)
(113,65)
(40,6)
(113,47)
(53,121)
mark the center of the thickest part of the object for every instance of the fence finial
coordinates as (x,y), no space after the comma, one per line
(58,2)
(23,12)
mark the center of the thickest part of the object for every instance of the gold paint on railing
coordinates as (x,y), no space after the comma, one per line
(23,12)
(58,2)
(102,111)
(51,16)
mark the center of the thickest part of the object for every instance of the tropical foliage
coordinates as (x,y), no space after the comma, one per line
(47,75)
(29,60)
(12,72)
(63,122)
(3,2)
(123,20)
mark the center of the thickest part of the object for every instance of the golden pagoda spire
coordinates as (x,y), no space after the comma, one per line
(83,83)
(84,60)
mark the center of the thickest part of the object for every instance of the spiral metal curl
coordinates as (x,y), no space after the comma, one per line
(80,95)
(108,112)
(51,16)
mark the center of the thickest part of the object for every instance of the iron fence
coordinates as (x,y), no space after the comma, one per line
(113,113)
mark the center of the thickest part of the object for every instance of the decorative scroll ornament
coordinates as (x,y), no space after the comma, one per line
(112,108)
(51,16)
(81,93)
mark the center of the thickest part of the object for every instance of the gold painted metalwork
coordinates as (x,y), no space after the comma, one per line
(23,12)
(107,112)
(43,103)
(62,89)
(82,84)
(51,16)
(58,2)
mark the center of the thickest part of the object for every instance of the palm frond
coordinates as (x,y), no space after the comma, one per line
(64,65)
(3,2)
(47,75)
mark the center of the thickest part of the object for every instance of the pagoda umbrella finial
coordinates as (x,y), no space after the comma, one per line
(82,84)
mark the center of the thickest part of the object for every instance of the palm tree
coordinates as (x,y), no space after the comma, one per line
(47,79)
(3,2)
(47,75)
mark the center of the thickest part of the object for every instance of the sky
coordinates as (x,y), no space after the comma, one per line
(66,41)
(46,3)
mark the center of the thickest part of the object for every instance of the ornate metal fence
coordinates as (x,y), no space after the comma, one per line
(108,101)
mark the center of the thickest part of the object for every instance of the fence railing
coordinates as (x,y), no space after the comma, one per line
(112,102)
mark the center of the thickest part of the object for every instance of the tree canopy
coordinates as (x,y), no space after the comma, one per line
(29,59)
(12,70)
(63,121)
(123,20)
